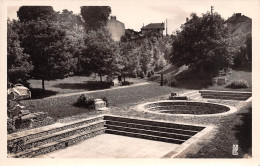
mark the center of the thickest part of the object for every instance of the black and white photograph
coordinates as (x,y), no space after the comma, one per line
(130,80)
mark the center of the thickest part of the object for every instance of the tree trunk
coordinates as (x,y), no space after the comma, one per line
(43,87)
(124,77)
(100,78)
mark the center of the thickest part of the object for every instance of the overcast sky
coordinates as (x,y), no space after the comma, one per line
(136,13)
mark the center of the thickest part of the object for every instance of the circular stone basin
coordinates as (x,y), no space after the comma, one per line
(186,108)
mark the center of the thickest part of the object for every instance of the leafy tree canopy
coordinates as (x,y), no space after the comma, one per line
(95,17)
(98,55)
(28,13)
(204,43)
(18,64)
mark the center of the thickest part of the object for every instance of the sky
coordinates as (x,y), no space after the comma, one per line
(135,14)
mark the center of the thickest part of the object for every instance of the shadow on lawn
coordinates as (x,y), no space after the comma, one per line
(89,85)
(244,131)
(194,83)
(37,93)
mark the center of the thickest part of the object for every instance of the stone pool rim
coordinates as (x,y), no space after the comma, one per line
(141,108)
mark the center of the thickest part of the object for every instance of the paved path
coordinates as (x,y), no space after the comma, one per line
(88,92)
(114,146)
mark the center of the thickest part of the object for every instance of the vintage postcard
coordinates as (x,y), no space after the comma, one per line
(151,81)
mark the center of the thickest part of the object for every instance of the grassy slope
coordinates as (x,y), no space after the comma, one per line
(63,106)
(72,84)
(232,129)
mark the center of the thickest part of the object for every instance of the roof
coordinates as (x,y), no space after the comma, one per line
(238,18)
(154,26)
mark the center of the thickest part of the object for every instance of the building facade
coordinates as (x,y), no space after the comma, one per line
(239,23)
(116,28)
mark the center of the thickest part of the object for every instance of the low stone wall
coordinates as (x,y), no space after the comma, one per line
(185,107)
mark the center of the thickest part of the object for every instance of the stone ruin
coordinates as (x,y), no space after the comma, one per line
(19,118)
(175,96)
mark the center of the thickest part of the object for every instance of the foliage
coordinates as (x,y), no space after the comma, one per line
(170,81)
(149,74)
(87,102)
(29,13)
(245,53)
(46,43)
(152,72)
(98,55)
(18,64)
(204,44)
(144,53)
(127,59)
(95,17)
(126,83)
(105,100)
(159,65)
(238,84)
(142,75)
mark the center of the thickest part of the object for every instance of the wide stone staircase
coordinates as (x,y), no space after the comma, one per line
(43,140)
(152,130)
(225,95)
(46,139)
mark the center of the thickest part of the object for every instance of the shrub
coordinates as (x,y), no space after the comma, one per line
(90,102)
(126,83)
(238,84)
(81,100)
(84,101)
(170,81)
(149,74)
(105,100)
(142,75)
(152,73)
(153,78)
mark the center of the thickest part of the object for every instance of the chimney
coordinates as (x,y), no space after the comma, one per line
(238,14)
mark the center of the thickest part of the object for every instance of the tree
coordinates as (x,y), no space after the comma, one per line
(145,55)
(43,40)
(29,13)
(127,59)
(204,44)
(18,64)
(98,54)
(95,17)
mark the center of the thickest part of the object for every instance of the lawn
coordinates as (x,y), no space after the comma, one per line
(231,129)
(236,76)
(62,107)
(198,84)
(70,85)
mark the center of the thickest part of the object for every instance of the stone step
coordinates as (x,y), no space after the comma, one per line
(145,136)
(180,107)
(19,138)
(153,123)
(195,112)
(55,136)
(225,97)
(148,132)
(59,144)
(154,128)
(189,93)
(226,93)
(194,95)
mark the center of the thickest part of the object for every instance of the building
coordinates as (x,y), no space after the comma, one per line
(148,31)
(116,28)
(155,27)
(238,23)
